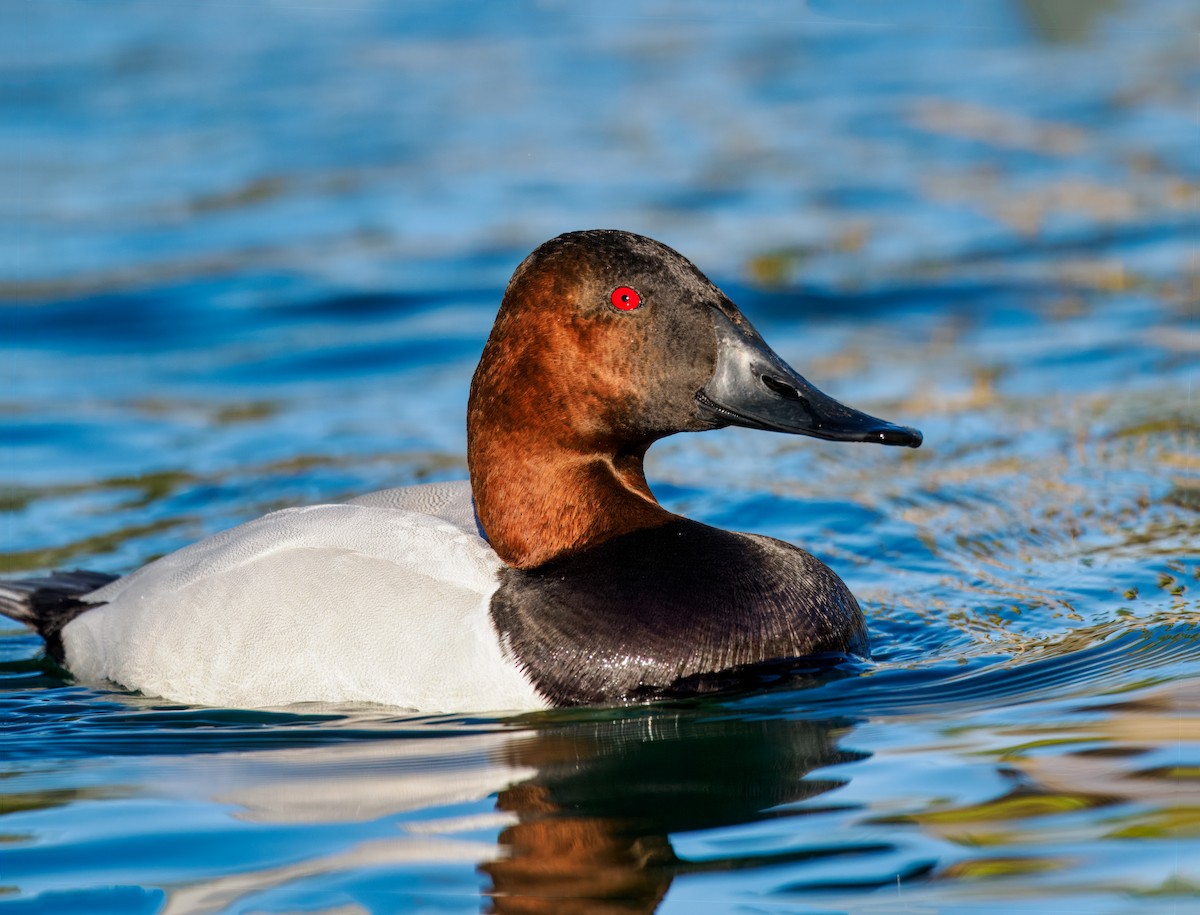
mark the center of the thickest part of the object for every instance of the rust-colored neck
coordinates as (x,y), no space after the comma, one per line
(555,430)
(537,503)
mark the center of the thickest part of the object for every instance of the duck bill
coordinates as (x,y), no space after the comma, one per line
(752,387)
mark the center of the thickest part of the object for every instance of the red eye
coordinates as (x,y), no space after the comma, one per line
(625,298)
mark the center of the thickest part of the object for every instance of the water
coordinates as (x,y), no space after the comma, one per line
(253,252)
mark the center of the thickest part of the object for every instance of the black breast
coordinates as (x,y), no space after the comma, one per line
(649,612)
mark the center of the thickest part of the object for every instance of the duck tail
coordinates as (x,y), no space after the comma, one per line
(49,602)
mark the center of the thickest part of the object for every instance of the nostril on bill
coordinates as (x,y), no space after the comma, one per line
(782,388)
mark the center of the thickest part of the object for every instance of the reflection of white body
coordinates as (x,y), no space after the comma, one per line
(356,782)
(257,616)
(353,782)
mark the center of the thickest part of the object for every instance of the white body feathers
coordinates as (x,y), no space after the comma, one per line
(384,599)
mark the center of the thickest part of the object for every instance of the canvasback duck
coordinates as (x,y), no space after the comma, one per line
(553,577)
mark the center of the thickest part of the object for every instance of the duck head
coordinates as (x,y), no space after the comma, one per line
(604,343)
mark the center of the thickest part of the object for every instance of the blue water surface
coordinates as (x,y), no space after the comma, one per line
(252,251)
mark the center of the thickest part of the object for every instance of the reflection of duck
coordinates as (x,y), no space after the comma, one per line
(594,824)
(585,590)
(586,808)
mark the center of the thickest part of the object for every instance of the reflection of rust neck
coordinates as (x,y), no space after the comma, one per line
(561,865)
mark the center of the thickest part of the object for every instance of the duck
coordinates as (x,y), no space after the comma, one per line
(551,577)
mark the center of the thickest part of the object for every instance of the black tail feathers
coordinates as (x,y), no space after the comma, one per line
(50,602)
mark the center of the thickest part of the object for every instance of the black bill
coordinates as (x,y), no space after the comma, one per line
(751,386)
